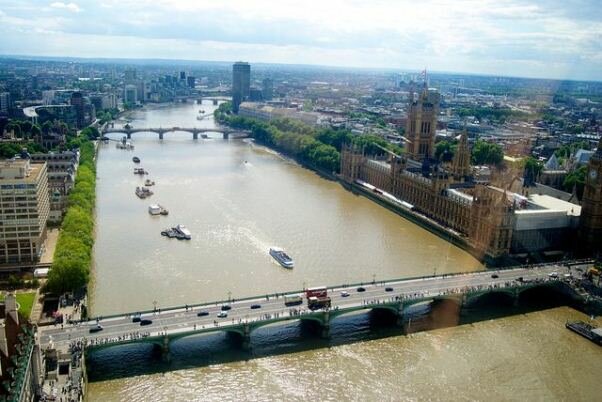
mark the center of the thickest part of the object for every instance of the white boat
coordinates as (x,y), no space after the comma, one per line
(283,259)
(183,230)
(156,209)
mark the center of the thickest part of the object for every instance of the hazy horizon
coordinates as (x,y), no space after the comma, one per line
(512,38)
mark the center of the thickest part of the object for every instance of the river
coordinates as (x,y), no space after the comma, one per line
(238,199)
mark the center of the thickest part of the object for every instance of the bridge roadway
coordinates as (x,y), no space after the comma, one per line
(195,131)
(174,323)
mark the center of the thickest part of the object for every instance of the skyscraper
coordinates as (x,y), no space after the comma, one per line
(241,83)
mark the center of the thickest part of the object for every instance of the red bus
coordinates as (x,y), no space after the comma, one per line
(319,292)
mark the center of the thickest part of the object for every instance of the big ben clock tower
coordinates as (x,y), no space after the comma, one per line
(591,205)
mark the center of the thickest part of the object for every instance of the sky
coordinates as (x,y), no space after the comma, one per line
(528,38)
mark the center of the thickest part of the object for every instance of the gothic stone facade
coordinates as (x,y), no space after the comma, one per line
(486,220)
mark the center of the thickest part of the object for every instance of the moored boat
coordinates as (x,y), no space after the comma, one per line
(149,182)
(143,192)
(586,330)
(156,209)
(136,159)
(183,230)
(283,259)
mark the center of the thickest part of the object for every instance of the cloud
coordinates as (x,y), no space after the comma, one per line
(510,37)
(67,6)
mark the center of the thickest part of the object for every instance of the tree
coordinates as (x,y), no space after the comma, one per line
(487,153)
(445,150)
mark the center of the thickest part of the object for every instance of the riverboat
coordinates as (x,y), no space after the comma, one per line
(156,209)
(283,259)
(143,192)
(183,230)
(179,232)
(586,330)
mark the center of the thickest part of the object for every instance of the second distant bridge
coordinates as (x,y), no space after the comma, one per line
(225,131)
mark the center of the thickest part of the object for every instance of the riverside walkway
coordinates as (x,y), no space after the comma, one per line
(245,315)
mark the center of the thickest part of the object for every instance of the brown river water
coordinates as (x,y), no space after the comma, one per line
(238,199)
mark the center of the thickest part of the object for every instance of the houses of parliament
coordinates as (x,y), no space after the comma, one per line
(487,218)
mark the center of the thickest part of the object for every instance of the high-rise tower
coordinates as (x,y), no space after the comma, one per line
(422,123)
(241,83)
(591,205)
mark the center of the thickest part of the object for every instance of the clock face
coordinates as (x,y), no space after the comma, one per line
(593,174)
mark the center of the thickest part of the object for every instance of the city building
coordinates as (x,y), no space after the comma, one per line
(190,80)
(24,210)
(61,167)
(492,222)
(267,89)
(77,101)
(20,358)
(5,103)
(241,83)
(130,94)
(266,112)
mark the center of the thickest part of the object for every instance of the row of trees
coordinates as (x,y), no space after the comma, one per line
(73,253)
(319,147)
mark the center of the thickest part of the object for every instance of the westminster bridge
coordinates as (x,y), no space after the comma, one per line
(161,131)
(398,297)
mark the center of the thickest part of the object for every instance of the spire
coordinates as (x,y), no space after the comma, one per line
(461,162)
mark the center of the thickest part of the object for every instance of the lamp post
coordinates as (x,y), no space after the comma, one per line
(229,296)
(154,306)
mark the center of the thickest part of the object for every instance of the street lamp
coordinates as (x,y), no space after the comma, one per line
(154,306)
(229,296)
(373,279)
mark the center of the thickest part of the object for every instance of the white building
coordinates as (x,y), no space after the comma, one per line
(24,209)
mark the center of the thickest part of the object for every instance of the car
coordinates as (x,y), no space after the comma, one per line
(226,307)
(520,279)
(136,317)
(255,306)
(202,313)
(495,276)
(388,289)
(222,314)
(553,274)
(361,289)
(145,322)
(344,293)
(96,328)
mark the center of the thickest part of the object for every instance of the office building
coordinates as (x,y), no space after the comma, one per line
(268,89)
(61,168)
(5,103)
(130,94)
(24,209)
(77,101)
(241,83)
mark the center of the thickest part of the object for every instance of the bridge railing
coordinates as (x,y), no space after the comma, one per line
(342,286)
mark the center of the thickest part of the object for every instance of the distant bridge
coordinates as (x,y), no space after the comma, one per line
(225,131)
(245,315)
